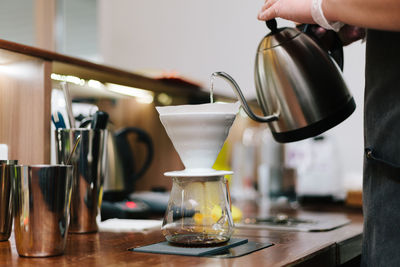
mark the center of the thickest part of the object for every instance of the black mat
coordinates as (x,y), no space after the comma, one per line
(167,248)
(239,247)
(241,250)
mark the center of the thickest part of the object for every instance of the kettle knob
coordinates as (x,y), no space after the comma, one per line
(272,25)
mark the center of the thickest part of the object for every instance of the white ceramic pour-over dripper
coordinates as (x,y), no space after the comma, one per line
(198,133)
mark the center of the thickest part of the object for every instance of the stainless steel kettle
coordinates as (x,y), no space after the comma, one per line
(299,87)
(121,173)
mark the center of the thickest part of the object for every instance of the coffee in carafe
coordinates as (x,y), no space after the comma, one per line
(199,208)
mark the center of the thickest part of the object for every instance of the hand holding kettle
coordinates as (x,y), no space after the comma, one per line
(299,87)
(295,10)
(372,14)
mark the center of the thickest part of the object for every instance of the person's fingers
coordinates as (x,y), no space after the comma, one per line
(349,34)
(264,6)
(319,31)
(268,4)
(270,13)
(294,10)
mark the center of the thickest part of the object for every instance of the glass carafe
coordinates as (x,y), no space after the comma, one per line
(199,211)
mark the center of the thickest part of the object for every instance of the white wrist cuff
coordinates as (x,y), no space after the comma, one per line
(318,16)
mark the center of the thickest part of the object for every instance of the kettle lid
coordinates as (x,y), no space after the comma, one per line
(277,36)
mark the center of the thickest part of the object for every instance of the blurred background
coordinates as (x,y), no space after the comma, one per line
(191,40)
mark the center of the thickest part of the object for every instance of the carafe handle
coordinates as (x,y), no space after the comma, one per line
(239,95)
(228,193)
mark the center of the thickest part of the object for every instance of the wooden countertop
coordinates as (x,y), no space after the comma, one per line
(329,248)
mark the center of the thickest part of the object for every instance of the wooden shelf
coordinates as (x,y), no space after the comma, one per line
(25,90)
(67,65)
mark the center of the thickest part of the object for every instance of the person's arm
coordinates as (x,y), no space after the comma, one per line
(376,14)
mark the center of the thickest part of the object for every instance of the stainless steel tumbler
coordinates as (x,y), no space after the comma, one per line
(41,209)
(89,163)
(6,195)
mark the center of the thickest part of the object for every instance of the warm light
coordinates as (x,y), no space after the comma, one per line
(68,78)
(164,99)
(13,70)
(142,96)
(95,84)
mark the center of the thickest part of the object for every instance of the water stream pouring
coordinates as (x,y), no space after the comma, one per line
(198,211)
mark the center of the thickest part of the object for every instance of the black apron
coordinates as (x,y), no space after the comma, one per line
(381,185)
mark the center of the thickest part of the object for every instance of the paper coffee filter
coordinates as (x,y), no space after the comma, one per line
(198,132)
(227,108)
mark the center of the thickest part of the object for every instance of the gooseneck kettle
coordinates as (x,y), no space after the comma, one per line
(299,87)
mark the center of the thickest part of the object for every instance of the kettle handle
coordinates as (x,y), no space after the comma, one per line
(124,147)
(330,44)
(228,193)
(239,95)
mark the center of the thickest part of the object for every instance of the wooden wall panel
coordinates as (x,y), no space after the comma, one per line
(25,107)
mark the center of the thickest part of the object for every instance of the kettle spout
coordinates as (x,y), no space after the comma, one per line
(242,100)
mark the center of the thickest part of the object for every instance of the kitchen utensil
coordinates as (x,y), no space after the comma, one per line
(99,120)
(68,104)
(58,120)
(199,211)
(78,139)
(122,172)
(42,209)
(199,208)
(299,88)
(198,132)
(6,197)
(89,170)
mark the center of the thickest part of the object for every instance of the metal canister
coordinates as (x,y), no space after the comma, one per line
(6,197)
